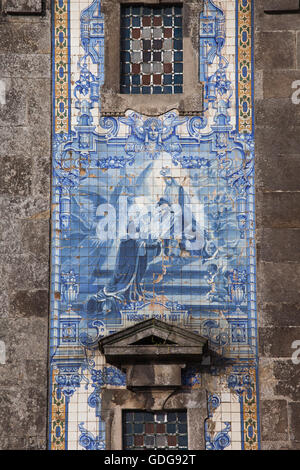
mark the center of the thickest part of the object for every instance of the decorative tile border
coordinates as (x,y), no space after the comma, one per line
(245,100)
(58,423)
(250,415)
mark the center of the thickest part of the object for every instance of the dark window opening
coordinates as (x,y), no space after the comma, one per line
(155,430)
(151,49)
(152,341)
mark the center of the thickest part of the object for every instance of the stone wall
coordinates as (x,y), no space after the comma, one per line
(277,60)
(25,124)
(25,129)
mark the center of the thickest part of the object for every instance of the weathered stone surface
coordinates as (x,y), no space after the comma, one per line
(25,127)
(16,214)
(294,413)
(23,141)
(267,381)
(26,109)
(276,445)
(38,93)
(278,22)
(281,23)
(278,210)
(17,373)
(278,84)
(23,271)
(24,443)
(30,303)
(298,50)
(10,229)
(277,172)
(269,57)
(25,338)
(4,304)
(16,417)
(280,314)
(276,341)
(270,140)
(258,85)
(41,178)
(15,176)
(276,112)
(279,282)
(25,37)
(282,244)
(39,245)
(23,5)
(287,376)
(277,5)
(274,420)
(14,111)
(19,207)
(25,65)
(156,375)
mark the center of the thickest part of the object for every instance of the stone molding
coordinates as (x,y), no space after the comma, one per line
(193,401)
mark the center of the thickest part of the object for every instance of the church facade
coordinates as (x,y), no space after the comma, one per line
(150,226)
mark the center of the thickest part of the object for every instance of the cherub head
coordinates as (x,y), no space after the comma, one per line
(153,130)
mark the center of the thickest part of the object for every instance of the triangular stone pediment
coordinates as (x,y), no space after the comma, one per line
(152,340)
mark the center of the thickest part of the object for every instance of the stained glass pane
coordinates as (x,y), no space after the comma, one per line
(155,430)
(151,38)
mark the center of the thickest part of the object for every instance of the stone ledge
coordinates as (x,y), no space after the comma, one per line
(281,5)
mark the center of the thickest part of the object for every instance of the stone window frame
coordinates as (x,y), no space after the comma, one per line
(153,377)
(189,103)
(115,401)
(154,433)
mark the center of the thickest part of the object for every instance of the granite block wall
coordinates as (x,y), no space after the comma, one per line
(25,130)
(277,63)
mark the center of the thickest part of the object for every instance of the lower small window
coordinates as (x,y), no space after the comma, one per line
(155,430)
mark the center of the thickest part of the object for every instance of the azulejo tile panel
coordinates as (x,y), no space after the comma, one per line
(153,217)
